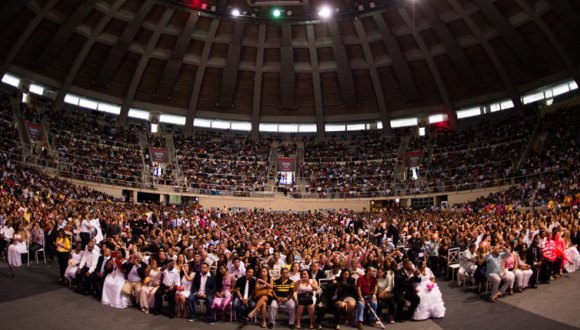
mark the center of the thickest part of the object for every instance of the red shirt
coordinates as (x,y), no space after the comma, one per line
(366,285)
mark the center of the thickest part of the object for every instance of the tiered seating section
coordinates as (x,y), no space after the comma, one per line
(356,165)
(478,157)
(214,162)
(345,165)
(90,149)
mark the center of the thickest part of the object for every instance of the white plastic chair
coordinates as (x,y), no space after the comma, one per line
(42,249)
(453,261)
(27,253)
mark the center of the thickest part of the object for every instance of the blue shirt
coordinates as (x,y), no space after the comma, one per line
(495,262)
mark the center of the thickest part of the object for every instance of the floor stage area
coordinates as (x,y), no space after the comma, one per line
(34,300)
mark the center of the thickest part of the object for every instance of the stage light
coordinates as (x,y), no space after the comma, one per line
(235,12)
(325,12)
(276,13)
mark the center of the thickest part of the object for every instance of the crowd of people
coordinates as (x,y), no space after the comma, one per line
(92,150)
(214,163)
(357,165)
(478,157)
(326,268)
(344,165)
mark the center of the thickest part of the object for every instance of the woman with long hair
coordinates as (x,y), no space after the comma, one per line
(346,295)
(262,294)
(431,301)
(295,272)
(18,247)
(73,262)
(225,285)
(184,290)
(150,286)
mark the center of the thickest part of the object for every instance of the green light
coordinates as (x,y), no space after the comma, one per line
(276,12)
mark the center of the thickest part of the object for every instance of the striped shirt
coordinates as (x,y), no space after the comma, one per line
(283,289)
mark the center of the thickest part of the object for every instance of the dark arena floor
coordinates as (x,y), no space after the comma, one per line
(34,300)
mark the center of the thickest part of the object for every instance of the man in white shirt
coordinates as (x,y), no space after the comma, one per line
(467,264)
(276,261)
(134,271)
(203,288)
(167,288)
(87,266)
(211,257)
(6,234)
(237,268)
(85,232)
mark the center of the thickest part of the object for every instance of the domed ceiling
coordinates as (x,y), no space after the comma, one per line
(371,60)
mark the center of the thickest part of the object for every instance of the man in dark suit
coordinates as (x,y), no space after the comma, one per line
(245,287)
(405,290)
(49,241)
(203,288)
(98,278)
(315,272)
(393,232)
(534,258)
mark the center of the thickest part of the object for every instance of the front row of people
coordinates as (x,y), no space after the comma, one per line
(121,282)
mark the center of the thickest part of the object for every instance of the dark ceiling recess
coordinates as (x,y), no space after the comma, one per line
(370,60)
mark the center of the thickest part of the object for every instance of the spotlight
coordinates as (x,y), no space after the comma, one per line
(276,13)
(235,12)
(325,12)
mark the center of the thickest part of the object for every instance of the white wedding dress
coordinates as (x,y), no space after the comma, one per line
(431,303)
(15,251)
(73,264)
(573,263)
(113,290)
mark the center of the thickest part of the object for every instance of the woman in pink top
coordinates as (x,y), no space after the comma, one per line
(511,265)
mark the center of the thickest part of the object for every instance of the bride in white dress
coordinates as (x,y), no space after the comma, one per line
(572,262)
(113,287)
(17,248)
(73,262)
(431,304)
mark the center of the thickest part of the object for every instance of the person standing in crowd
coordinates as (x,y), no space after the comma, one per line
(63,248)
(85,231)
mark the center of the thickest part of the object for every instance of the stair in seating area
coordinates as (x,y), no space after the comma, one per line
(534,136)
(22,132)
(146,178)
(401,168)
(173,155)
(271,175)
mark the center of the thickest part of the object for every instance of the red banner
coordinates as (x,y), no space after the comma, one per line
(413,158)
(160,155)
(286,164)
(35,131)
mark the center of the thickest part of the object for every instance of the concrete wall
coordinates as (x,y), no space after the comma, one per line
(282,203)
